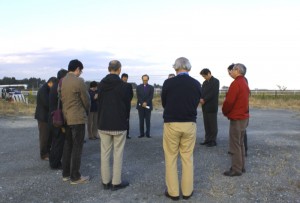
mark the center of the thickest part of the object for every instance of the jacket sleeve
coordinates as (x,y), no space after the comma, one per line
(163,95)
(214,90)
(138,95)
(230,99)
(85,97)
(150,96)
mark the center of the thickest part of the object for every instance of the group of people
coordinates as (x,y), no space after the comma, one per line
(107,108)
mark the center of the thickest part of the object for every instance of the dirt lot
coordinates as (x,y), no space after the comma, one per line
(272,170)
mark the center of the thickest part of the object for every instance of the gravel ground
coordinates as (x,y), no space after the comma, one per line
(272,166)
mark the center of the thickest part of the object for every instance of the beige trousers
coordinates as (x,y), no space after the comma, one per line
(179,137)
(117,142)
(92,125)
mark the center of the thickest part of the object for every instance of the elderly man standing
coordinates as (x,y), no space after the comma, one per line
(180,99)
(76,104)
(114,102)
(235,108)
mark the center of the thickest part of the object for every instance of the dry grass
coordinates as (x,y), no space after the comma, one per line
(13,108)
(291,104)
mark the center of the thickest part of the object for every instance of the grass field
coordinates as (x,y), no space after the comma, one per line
(291,102)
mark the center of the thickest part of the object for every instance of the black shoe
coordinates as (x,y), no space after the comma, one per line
(232,173)
(204,143)
(141,136)
(106,186)
(122,185)
(211,144)
(148,136)
(187,197)
(128,137)
(230,153)
(171,197)
(56,168)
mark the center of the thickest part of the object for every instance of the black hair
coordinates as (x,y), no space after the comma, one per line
(52,79)
(74,64)
(230,67)
(93,84)
(124,75)
(205,71)
(61,73)
(146,76)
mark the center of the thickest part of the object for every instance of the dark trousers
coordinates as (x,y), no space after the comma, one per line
(210,126)
(72,151)
(45,142)
(128,123)
(57,146)
(144,115)
(237,130)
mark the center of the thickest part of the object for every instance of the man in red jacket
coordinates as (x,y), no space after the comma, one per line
(235,108)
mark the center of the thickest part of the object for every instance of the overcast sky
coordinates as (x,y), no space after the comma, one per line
(38,37)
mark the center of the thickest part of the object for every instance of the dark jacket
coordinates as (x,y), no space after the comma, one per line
(180,98)
(42,104)
(144,96)
(93,101)
(210,94)
(113,104)
(130,94)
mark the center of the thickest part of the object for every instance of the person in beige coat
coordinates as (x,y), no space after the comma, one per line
(75,105)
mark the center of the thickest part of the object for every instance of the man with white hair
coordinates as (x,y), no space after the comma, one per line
(236,109)
(180,98)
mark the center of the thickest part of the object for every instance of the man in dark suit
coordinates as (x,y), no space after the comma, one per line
(210,103)
(124,77)
(144,106)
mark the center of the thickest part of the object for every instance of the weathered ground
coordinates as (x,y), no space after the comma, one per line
(272,170)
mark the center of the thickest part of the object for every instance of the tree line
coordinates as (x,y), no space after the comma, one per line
(33,83)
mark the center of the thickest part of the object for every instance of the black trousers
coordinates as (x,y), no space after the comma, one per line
(57,146)
(128,126)
(144,116)
(72,151)
(210,126)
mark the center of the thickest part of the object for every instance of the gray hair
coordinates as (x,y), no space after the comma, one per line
(182,63)
(241,67)
(114,65)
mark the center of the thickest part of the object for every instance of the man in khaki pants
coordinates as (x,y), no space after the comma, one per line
(180,98)
(113,103)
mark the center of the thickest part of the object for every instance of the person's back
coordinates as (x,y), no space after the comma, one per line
(182,99)
(75,105)
(113,96)
(112,124)
(75,99)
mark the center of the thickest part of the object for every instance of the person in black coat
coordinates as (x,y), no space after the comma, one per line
(124,77)
(210,103)
(113,107)
(57,134)
(144,93)
(42,115)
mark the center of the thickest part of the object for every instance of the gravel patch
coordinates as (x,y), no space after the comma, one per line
(272,166)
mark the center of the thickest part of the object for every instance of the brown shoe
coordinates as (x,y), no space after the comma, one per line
(81,180)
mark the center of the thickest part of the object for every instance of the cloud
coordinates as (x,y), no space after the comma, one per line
(46,62)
